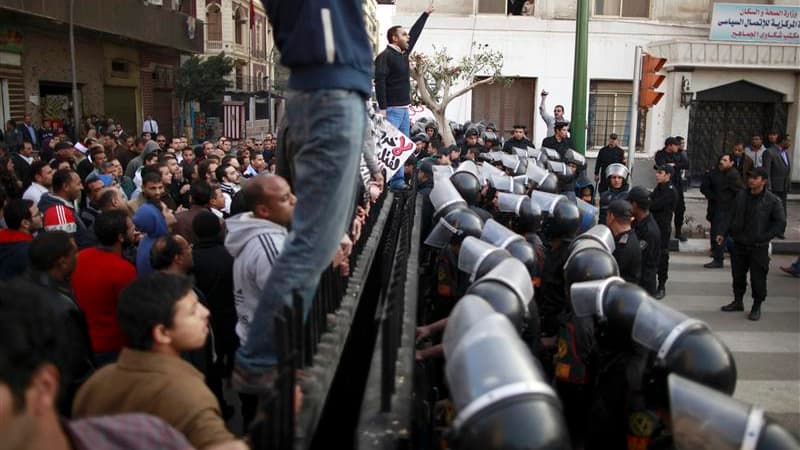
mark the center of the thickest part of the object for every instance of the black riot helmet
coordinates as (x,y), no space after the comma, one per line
(561,217)
(589,261)
(704,419)
(467,182)
(508,288)
(466,221)
(477,258)
(684,346)
(445,197)
(530,217)
(501,236)
(517,409)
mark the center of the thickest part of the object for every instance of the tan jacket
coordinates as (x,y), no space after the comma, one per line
(165,386)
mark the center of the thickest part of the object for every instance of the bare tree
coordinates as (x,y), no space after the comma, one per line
(436,76)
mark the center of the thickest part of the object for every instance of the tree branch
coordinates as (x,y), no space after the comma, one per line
(422,90)
(468,88)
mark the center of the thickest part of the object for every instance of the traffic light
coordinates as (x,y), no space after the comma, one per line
(651,79)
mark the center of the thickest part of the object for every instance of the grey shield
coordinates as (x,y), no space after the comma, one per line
(445,194)
(488,357)
(618,170)
(498,235)
(574,157)
(473,253)
(534,153)
(587,210)
(488,171)
(442,171)
(705,419)
(558,168)
(469,310)
(503,183)
(546,201)
(587,296)
(551,154)
(512,273)
(536,174)
(510,203)
(495,156)
(471,167)
(441,234)
(520,184)
(521,152)
(600,234)
(657,326)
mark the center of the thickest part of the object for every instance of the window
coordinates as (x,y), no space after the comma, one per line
(622,8)
(5,109)
(213,23)
(239,22)
(491,6)
(239,85)
(609,112)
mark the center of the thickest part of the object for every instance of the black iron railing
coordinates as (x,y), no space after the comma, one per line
(310,350)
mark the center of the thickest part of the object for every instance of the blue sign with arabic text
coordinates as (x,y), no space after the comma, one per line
(755,23)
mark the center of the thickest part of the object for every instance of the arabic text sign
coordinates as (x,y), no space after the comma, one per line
(392,147)
(755,23)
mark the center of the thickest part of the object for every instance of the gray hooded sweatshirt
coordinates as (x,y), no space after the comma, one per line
(254,244)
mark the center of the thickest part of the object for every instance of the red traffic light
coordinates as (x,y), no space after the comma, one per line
(651,79)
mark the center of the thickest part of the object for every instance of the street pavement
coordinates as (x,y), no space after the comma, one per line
(767,352)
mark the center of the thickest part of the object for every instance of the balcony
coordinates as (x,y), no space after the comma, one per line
(244,83)
(213,46)
(129,19)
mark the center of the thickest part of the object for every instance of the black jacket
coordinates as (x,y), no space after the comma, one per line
(609,196)
(756,219)
(551,297)
(560,147)
(22,169)
(75,359)
(662,205)
(213,271)
(720,188)
(628,254)
(511,144)
(649,236)
(392,85)
(680,161)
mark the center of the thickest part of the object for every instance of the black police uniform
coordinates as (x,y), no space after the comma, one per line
(609,196)
(720,188)
(551,296)
(605,157)
(662,204)
(629,256)
(649,236)
(757,219)
(681,162)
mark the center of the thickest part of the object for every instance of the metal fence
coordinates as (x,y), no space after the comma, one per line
(310,349)
(385,416)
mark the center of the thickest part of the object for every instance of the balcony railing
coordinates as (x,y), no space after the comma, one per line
(213,46)
(246,83)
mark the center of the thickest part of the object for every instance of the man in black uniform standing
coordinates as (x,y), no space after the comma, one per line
(662,204)
(649,237)
(627,251)
(720,187)
(757,219)
(559,141)
(610,154)
(671,156)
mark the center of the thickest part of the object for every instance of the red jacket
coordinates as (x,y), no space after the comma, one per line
(98,279)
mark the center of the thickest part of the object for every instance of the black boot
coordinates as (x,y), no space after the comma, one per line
(660,292)
(735,305)
(715,264)
(755,312)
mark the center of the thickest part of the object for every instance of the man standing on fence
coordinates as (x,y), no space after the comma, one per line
(392,85)
(328,52)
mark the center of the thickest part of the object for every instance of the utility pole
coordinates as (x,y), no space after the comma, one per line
(75,113)
(580,82)
(637,76)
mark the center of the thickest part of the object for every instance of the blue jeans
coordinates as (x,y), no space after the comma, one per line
(400,118)
(327,128)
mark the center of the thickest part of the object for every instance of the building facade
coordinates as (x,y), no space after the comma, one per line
(715,92)
(371,21)
(126,52)
(240,29)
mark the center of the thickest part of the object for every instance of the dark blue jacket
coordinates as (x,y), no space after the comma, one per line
(324,43)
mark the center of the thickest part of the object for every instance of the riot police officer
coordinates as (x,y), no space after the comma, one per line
(627,251)
(662,204)
(617,175)
(649,237)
